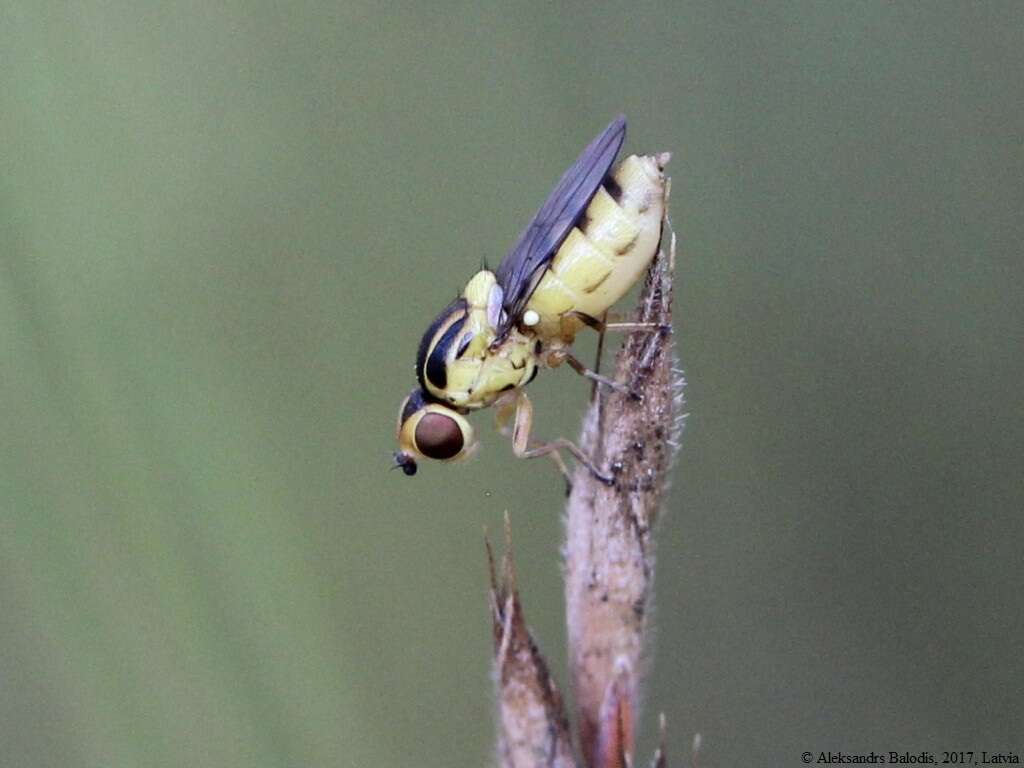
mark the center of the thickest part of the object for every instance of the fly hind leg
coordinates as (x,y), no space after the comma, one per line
(603,326)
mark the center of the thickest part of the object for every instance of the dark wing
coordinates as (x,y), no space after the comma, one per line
(523,266)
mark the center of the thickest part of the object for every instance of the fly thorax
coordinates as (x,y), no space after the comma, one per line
(510,365)
(464,347)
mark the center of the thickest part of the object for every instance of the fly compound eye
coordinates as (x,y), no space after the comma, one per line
(439,436)
(430,430)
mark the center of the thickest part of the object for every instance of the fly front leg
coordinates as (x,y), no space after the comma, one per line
(504,413)
(506,410)
(521,443)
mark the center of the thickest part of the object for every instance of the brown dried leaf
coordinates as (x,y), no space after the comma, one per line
(533,731)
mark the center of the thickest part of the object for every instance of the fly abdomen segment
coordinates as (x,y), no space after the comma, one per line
(604,255)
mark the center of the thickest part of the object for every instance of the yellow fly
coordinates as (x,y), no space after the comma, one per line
(589,243)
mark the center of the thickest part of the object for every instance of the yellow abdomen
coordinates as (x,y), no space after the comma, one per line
(607,253)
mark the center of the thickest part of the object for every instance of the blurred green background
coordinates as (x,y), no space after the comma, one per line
(223,228)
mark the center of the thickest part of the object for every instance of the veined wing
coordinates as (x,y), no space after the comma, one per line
(524,265)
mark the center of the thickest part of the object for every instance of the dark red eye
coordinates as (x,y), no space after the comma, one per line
(438,436)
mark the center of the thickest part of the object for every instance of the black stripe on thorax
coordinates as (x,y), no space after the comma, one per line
(437,360)
(457,306)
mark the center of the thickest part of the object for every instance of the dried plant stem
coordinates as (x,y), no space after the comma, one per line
(609,563)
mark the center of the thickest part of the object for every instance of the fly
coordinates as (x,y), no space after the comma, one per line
(585,248)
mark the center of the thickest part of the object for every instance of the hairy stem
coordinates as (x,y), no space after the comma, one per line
(609,552)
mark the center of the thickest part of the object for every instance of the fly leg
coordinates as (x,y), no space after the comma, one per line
(521,442)
(597,358)
(596,377)
(603,326)
(506,410)
(556,357)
